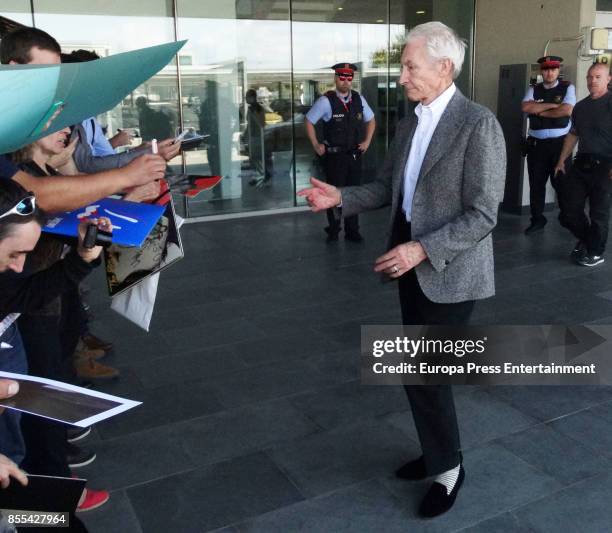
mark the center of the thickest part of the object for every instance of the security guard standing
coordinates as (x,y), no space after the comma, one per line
(347,132)
(549,105)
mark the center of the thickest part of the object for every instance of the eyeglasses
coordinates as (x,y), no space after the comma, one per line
(23,208)
(344,78)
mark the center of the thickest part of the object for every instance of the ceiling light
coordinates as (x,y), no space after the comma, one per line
(420,12)
(340,8)
(380,20)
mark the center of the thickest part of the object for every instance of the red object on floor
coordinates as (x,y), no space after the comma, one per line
(93,500)
(207,183)
(203,184)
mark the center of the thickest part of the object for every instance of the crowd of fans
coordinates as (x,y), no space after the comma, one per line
(44,323)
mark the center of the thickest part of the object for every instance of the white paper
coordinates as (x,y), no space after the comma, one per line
(49,384)
(138,302)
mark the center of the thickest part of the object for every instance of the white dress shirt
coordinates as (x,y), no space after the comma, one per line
(428,117)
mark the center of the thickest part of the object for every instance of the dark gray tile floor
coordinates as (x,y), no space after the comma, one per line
(254,418)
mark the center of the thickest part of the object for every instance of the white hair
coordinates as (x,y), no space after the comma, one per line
(441,42)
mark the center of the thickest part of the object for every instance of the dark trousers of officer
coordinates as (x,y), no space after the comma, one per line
(541,161)
(433,406)
(577,186)
(342,170)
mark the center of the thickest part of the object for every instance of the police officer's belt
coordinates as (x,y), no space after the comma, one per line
(533,141)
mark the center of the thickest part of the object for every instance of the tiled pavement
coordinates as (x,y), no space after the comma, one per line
(254,418)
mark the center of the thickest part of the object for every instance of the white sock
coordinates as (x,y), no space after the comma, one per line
(448,479)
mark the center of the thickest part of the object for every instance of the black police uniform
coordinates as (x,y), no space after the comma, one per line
(342,159)
(543,154)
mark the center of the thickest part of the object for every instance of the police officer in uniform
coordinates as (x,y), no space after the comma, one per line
(549,105)
(348,127)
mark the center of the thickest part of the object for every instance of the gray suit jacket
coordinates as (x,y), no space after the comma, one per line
(455,203)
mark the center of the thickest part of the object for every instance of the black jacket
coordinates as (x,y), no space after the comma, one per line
(25,294)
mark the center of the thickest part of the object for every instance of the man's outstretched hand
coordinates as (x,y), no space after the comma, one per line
(321,195)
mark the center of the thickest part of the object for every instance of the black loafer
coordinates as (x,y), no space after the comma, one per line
(353,237)
(436,501)
(332,233)
(413,470)
(332,236)
(534,227)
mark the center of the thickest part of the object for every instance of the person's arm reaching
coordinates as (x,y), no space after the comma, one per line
(65,193)
(321,195)
(122,138)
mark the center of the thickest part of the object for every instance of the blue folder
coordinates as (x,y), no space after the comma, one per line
(132,221)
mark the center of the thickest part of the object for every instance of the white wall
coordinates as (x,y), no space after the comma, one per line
(516,31)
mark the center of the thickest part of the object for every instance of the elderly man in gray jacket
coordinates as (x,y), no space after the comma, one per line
(444,178)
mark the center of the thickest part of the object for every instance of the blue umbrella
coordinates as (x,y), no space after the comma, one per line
(36,100)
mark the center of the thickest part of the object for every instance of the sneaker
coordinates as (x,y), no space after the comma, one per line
(90,369)
(96,343)
(578,252)
(590,260)
(76,434)
(78,457)
(92,499)
(82,351)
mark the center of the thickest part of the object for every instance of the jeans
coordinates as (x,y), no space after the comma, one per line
(12,359)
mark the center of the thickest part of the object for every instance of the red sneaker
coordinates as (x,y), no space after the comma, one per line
(92,499)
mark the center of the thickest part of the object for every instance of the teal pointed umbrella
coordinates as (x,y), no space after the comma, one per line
(36,100)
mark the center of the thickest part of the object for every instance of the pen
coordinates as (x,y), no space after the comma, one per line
(180,136)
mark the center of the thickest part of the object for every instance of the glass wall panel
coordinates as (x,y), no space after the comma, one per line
(17,10)
(604,5)
(249,73)
(237,91)
(110,27)
(353,31)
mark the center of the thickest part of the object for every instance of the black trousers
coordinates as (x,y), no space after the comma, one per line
(49,342)
(45,440)
(342,170)
(541,161)
(575,188)
(433,406)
